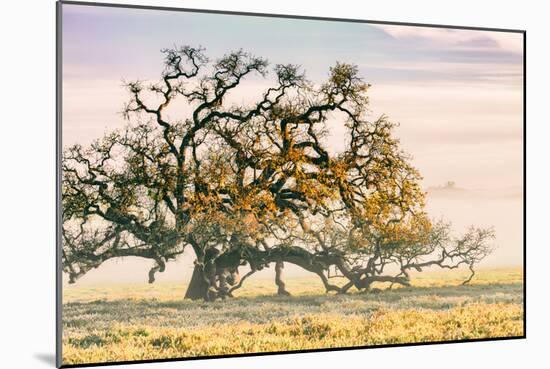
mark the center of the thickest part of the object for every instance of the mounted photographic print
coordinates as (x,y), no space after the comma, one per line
(241,184)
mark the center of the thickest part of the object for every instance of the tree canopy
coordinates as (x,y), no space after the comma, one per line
(253,183)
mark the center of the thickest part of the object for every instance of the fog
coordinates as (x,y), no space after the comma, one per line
(457,95)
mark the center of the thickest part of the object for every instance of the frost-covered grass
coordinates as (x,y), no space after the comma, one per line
(133,322)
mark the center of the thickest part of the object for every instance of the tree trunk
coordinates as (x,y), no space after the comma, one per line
(279,265)
(197,288)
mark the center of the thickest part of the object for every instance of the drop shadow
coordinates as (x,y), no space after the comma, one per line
(46,358)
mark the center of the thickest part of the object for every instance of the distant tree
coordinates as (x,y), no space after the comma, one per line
(450,184)
(253,184)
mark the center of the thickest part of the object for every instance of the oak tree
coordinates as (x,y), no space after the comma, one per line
(254,183)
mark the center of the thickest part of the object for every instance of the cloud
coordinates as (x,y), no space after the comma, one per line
(458,38)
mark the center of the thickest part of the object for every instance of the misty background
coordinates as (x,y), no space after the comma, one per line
(457,94)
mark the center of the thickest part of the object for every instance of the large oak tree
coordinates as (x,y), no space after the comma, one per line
(253,183)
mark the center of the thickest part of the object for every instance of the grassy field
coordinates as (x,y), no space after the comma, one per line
(139,321)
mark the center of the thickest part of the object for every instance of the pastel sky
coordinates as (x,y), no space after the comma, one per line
(457,94)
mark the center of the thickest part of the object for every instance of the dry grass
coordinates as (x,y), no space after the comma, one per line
(136,322)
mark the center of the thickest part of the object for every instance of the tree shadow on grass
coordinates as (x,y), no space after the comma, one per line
(263,309)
